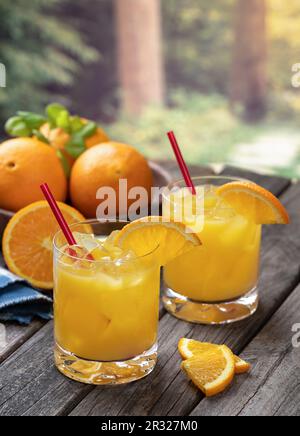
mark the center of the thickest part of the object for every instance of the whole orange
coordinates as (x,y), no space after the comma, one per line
(104,165)
(58,138)
(26,163)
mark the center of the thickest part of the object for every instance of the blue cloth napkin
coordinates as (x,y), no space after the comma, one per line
(19,301)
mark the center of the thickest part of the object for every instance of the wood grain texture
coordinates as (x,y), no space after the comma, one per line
(16,335)
(273,385)
(29,376)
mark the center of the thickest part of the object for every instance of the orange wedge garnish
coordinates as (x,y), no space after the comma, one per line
(254,202)
(27,242)
(211,371)
(169,239)
(190,348)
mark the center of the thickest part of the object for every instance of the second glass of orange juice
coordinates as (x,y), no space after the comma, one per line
(215,283)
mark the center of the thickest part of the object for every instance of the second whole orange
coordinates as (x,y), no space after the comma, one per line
(103,166)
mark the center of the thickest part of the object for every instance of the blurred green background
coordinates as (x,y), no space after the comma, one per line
(218,72)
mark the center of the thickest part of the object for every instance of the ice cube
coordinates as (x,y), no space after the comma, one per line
(124,257)
(77,257)
(86,240)
(100,253)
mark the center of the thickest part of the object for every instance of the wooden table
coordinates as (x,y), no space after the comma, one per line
(30,384)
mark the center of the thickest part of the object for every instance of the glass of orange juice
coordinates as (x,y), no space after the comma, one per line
(215,283)
(106,304)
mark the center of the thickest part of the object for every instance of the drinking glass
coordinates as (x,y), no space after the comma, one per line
(215,283)
(105,312)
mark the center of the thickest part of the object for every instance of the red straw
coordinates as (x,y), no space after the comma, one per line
(181,162)
(58,215)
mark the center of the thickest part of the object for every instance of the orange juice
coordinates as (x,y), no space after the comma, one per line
(106,314)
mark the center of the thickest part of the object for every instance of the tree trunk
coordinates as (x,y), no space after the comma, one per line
(249,77)
(139,53)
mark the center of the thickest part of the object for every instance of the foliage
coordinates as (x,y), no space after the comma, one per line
(198,43)
(39,51)
(284,44)
(207,130)
(204,126)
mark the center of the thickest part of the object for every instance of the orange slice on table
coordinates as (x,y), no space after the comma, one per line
(145,235)
(27,242)
(255,202)
(190,348)
(211,371)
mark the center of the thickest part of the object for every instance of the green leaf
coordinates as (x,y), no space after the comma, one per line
(11,123)
(63,120)
(64,162)
(32,120)
(15,126)
(88,129)
(40,136)
(75,146)
(54,111)
(76,124)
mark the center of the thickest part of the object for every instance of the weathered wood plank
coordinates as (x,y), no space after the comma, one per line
(167,392)
(273,386)
(15,335)
(29,375)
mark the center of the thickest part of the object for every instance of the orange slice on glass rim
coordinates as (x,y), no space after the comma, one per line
(254,202)
(190,348)
(145,235)
(27,242)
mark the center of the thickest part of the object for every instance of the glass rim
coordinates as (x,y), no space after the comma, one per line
(106,261)
(177,182)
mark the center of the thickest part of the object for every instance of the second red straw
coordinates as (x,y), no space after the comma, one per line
(181,162)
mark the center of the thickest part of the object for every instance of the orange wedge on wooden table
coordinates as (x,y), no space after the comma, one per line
(211,371)
(27,242)
(190,348)
(143,236)
(254,202)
